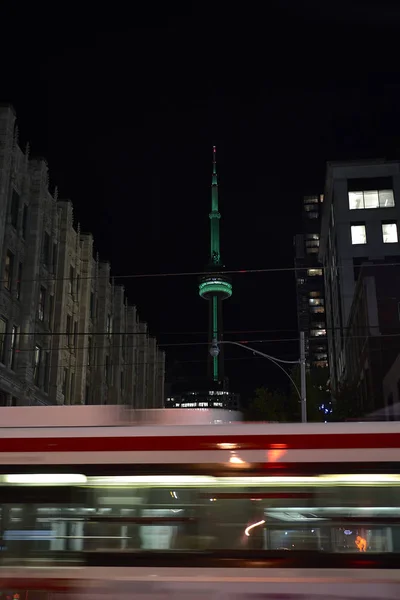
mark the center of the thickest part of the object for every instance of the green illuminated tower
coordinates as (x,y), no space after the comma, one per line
(215,287)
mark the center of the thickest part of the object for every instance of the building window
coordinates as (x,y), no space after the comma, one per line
(92,305)
(54,257)
(8,270)
(314,272)
(122,382)
(78,284)
(310,199)
(87,394)
(24,221)
(69,330)
(71,280)
(65,383)
(3,330)
(316,301)
(37,364)
(317,332)
(46,372)
(75,334)
(14,209)
(371,199)
(389,233)
(51,311)
(312,215)
(358,234)
(109,325)
(317,309)
(46,249)
(107,369)
(315,294)
(19,281)
(71,388)
(89,352)
(14,334)
(312,236)
(42,303)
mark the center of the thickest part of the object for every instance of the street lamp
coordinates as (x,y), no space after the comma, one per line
(214,351)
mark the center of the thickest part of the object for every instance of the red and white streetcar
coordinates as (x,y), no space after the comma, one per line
(102,504)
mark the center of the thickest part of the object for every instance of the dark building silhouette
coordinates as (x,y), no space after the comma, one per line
(310,283)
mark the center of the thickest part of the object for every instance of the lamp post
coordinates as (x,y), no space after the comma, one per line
(302,393)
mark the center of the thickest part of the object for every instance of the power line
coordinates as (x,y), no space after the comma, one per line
(111,278)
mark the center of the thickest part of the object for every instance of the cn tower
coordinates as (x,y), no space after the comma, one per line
(215,287)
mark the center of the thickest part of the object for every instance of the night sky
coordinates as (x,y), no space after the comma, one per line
(126,108)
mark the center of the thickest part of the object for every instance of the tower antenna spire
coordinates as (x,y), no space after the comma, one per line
(215,287)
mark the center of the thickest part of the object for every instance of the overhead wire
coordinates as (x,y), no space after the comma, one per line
(112,278)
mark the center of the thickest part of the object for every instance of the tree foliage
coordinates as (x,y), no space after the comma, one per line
(275,406)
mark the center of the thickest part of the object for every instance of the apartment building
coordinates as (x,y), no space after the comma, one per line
(67,333)
(359,230)
(310,283)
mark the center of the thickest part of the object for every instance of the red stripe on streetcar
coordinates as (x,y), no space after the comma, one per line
(198,443)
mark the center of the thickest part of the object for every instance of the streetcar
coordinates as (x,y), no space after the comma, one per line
(205,508)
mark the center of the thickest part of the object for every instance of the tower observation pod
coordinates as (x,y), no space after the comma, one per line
(215,287)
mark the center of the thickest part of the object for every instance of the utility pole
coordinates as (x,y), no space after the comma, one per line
(303,377)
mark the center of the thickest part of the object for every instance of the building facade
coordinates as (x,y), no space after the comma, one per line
(372,341)
(360,220)
(67,333)
(310,283)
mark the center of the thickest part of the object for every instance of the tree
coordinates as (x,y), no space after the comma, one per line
(268,405)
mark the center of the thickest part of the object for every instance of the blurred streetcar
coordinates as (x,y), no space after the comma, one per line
(228,510)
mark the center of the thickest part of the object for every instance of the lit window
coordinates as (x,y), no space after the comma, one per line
(356,200)
(317,332)
(386,198)
(313,215)
(320,363)
(317,309)
(311,200)
(316,301)
(314,272)
(312,250)
(389,233)
(315,294)
(358,234)
(371,199)
(312,236)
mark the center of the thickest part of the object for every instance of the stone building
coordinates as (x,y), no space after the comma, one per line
(67,334)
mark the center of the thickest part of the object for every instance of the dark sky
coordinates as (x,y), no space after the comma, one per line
(126,107)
